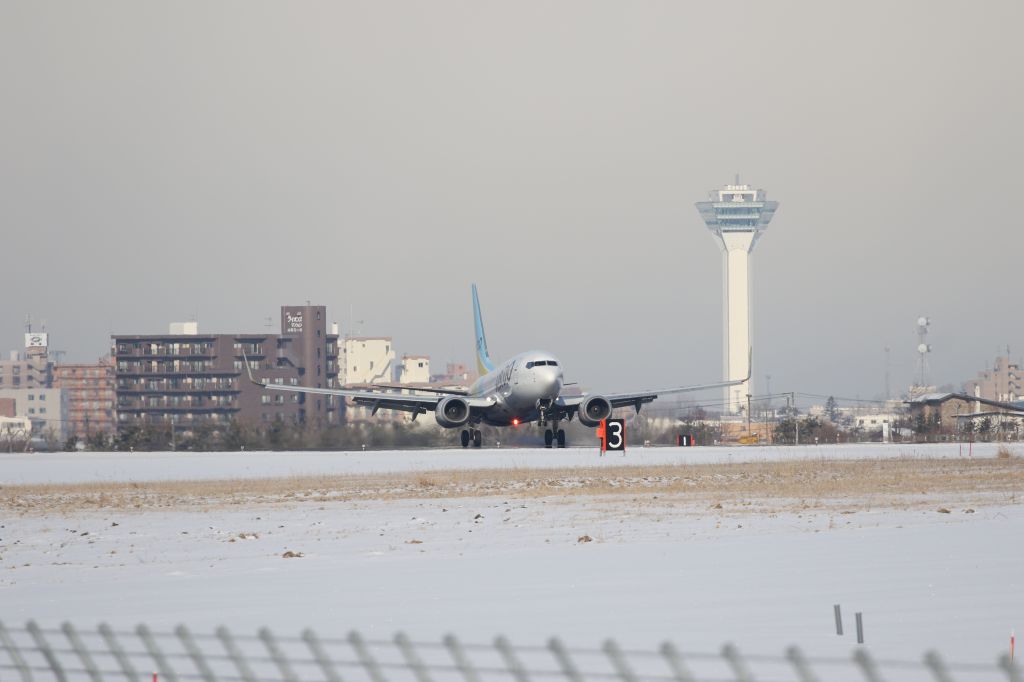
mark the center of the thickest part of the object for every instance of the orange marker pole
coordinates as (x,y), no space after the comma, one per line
(603,435)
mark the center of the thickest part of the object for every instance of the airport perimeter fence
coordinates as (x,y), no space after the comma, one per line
(68,654)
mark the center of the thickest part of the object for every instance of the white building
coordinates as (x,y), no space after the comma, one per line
(45,408)
(14,428)
(183,328)
(883,421)
(415,369)
(366,360)
(737,215)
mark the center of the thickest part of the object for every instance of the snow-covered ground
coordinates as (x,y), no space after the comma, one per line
(658,568)
(61,467)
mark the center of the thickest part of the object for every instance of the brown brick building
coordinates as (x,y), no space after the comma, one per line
(193,380)
(90,397)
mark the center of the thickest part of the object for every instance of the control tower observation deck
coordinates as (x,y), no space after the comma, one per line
(737,215)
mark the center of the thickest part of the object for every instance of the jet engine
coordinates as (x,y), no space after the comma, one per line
(452,412)
(593,409)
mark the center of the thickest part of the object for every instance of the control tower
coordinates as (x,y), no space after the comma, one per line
(737,215)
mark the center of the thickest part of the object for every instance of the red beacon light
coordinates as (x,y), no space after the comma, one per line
(515,421)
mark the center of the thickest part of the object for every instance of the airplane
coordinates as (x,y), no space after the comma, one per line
(526,388)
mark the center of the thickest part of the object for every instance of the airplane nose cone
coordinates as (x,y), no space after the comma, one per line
(550,383)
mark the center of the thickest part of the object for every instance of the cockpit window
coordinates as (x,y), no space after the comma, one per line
(541,363)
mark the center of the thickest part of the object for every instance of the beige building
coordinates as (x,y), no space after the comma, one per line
(31,368)
(45,408)
(415,369)
(366,360)
(1002,383)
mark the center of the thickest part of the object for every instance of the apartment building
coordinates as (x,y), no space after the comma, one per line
(1002,383)
(367,360)
(191,380)
(90,397)
(45,408)
(32,367)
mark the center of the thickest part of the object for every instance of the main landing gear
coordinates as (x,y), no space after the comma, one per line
(554,435)
(472,435)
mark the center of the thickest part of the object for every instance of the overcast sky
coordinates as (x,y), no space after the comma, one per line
(160,161)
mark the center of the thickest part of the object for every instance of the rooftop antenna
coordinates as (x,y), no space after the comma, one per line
(923,348)
(888,395)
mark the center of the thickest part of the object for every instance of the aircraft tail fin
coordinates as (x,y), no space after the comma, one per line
(483,360)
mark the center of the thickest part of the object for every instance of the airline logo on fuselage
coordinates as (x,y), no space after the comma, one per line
(505,376)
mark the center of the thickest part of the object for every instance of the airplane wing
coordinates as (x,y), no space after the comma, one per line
(417,404)
(638,398)
(425,389)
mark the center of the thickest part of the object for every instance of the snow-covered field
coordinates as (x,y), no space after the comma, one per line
(659,567)
(61,467)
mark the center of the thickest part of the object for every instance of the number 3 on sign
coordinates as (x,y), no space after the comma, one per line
(614,435)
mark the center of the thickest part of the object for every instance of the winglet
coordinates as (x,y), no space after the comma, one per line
(750,362)
(248,369)
(483,360)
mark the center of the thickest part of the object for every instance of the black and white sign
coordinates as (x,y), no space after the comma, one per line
(615,435)
(36,340)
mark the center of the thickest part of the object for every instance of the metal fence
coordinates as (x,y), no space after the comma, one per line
(68,654)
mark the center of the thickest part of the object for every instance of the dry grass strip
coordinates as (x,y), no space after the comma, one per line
(824,480)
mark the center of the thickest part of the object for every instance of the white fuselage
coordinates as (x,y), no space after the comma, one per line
(520,387)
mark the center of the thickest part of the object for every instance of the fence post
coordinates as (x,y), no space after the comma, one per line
(562,656)
(166,671)
(934,663)
(44,648)
(313,642)
(365,657)
(461,660)
(800,664)
(860,627)
(194,653)
(127,669)
(228,642)
(839,619)
(275,653)
(16,658)
(675,662)
(404,645)
(867,666)
(731,654)
(618,659)
(515,667)
(83,654)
